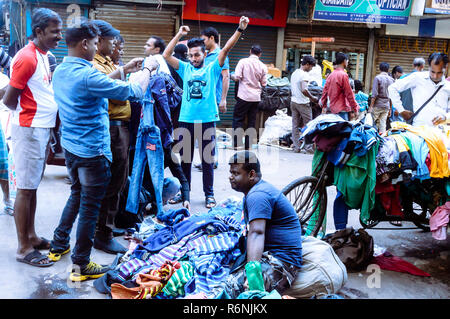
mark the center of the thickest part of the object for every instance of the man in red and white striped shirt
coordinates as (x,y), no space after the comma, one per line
(30,95)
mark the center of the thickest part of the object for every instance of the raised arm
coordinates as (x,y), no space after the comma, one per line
(167,54)
(243,23)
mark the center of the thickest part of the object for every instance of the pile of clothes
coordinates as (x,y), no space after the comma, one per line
(184,256)
(410,158)
(381,175)
(351,148)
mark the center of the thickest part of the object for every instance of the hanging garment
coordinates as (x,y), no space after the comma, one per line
(356,181)
(419,150)
(438,152)
(387,261)
(363,137)
(408,163)
(387,159)
(439,221)
(389,196)
(149,150)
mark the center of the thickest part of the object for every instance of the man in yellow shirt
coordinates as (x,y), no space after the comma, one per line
(119,117)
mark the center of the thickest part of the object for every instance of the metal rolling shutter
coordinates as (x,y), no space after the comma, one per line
(402,50)
(61,50)
(137,23)
(266,37)
(347,39)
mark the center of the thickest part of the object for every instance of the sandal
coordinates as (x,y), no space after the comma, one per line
(56,256)
(177,199)
(9,211)
(210,202)
(34,259)
(43,245)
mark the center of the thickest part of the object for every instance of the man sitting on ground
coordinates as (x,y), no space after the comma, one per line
(274,233)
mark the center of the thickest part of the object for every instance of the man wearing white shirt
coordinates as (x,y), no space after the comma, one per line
(155,46)
(423,85)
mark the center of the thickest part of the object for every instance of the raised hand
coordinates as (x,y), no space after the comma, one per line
(184,29)
(134,65)
(151,63)
(243,23)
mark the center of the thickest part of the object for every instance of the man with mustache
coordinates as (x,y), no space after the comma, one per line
(30,95)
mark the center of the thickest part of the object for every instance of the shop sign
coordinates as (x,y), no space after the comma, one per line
(437,7)
(363,11)
(412,45)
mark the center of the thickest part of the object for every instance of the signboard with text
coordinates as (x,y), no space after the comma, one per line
(437,7)
(363,11)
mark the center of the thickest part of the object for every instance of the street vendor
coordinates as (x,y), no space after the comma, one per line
(274,231)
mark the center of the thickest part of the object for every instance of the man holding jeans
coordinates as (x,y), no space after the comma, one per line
(81,92)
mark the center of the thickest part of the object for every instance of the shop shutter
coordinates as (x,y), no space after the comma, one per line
(266,37)
(61,50)
(137,23)
(347,39)
(403,50)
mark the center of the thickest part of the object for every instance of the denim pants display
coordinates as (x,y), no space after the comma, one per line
(148,150)
(205,134)
(90,178)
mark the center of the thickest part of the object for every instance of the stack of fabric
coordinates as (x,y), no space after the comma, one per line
(174,260)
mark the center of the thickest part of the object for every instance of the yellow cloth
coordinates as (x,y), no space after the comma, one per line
(401,143)
(438,151)
(117,110)
(274,71)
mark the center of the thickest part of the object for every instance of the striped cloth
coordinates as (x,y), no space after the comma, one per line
(5,59)
(175,285)
(211,260)
(3,157)
(170,253)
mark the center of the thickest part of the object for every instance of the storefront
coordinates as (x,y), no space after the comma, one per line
(137,22)
(266,16)
(351,40)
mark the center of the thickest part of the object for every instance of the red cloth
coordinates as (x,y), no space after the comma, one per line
(338,89)
(387,261)
(390,198)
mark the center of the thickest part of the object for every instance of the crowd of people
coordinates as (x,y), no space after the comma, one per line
(101,103)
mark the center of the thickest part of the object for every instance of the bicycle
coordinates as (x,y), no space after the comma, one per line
(309,197)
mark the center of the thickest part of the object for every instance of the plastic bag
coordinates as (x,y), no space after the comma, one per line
(276,127)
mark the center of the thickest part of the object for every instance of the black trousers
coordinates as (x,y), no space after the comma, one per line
(243,109)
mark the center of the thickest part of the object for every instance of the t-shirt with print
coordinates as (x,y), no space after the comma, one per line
(283,231)
(30,72)
(199,92)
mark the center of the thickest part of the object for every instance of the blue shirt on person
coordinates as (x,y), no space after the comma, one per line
(82,93)
(283,231)
(199,92)
(211,57)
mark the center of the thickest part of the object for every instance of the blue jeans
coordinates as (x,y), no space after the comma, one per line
(206,149)
(344,115)
(90,178)
(148,150)
(340,212)
(171,188)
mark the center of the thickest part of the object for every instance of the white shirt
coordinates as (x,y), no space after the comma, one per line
(162,64)
(297,78)
(422,87)
(316,74)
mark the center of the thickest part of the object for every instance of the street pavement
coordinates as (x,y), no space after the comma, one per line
(279,167)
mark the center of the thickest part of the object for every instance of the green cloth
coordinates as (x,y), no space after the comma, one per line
(356,181)
(274,81)
(256,294)
(176,283)
(254,276)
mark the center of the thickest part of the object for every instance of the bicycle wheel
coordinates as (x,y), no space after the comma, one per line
(309,200)
(420,216)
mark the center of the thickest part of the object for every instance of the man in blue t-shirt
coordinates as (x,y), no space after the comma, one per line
(274,233)
(199,110)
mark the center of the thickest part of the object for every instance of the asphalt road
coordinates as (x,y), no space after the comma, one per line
(279,167)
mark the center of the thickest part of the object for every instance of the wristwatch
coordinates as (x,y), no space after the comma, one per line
(240,30)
